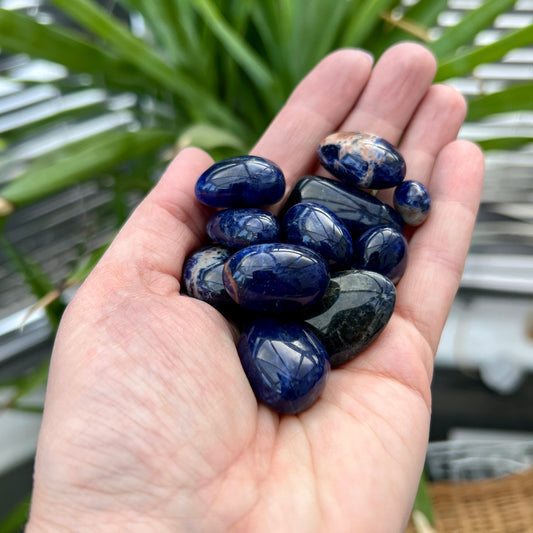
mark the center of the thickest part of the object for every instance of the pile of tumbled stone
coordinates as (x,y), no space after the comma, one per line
(315,287)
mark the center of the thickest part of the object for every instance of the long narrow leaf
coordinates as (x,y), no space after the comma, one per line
(15,520)
(465,63)
(504,143)
(20,33)
(137,52)
(516,98)
(422,15)
(364,21)
(101,153)
(470,25)
(36,279)
(235,45)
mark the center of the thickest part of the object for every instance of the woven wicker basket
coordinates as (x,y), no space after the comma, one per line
(503,505)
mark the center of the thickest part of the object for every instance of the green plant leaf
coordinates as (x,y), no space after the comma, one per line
(364,20)
(26,384)
(83,161)
(235,45)
(20,33)
(15,520)
(207,137)
(423,14)
(423,499)
(138,53)
(515,98)
(504,143)
(466,62)
(36,279)
(470,25)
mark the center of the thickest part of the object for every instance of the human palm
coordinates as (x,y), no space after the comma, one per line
(150,424)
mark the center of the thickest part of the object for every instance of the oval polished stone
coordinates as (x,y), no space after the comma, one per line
(354,311)
(286,365)
(382,250)
(276,277)
(241,181)
(358,210)
(362,160)
(315,226)
(237,228)
(202,275)
(412,201)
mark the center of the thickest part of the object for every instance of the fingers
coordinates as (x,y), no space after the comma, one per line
(316,108)
(167,226)
(398,83)
(434,124)
(438,248)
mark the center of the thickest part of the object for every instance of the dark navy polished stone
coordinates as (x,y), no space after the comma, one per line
(286,365)
(362,160)
(354,311)
(242,181)
(315,226)
(358,210)
(237,228)
(276,277)
(382,250)
(412,201)
(202,275)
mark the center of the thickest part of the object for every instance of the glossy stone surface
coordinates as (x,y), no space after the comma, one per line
(382,250)
(354,311)
(276,278)
(315,226)
(242,181)
(358,210)
(237,228)
(362,160)
(412,201)
(202,275)
(285,363)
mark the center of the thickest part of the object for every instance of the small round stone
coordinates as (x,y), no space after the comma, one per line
(382,250)
(276,278)
(412,201)
(315,226)
(285,363)
(362,160)
(202,275)
(241,181)
(237,228)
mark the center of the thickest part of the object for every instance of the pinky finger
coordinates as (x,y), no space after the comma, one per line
(438,249)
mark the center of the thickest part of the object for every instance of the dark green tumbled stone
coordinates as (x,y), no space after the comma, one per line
(352,313)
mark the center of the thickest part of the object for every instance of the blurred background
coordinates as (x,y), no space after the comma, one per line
(96,98)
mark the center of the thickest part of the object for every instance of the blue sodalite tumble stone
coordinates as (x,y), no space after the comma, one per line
(202,276)
(354,311)
(286,365)
(276,278)
(362,160)
(358,210)
(412,201)
(237,228)
(382,250)
(241,181)
(315,226)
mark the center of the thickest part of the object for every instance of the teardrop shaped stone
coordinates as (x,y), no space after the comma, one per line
(358,210)
(353,312)
(285,363)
